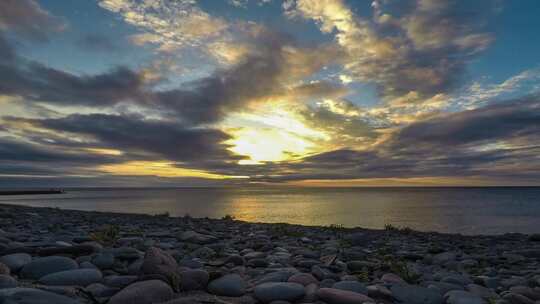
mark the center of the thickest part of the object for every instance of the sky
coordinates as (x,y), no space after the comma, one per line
(269,92)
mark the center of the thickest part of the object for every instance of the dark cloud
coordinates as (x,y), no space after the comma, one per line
(499,140)
(162,139)
(35,81)
(502,121)
(228,90)
(27,19)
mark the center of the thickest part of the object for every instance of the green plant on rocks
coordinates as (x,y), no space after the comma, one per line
(163,214)
(287,230)
(107,235)
(363,275)
(400,267)
(228,217)
(392,228)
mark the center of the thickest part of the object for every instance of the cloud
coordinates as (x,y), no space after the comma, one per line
(423,47)
(27,19)
(170,25)
(501,121)
(154,139)
(496,141)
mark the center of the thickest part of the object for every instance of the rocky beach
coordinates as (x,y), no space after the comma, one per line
(49,255)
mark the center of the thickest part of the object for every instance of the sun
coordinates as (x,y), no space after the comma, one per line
(272,135)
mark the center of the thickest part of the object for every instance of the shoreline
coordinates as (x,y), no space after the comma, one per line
(72,256)
(344,228)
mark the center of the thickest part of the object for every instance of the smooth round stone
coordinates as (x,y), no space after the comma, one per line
(444,257)
(392,278)
(351,286)
(157,261)
(412,294)
(7,281)
(443,287)
(144,292)
(103,260)
(276,276)
(235,259)
(197,238)
(278,291)
(230,285)
(87,265)
(482,291)
(462,297)
(15,261)
(195,279)
(100,290)
(257,263)
(33,296)
(303,278)
(338,296)
(47,265)
(119,281)
(76,277)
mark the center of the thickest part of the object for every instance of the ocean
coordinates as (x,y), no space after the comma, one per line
(482,210)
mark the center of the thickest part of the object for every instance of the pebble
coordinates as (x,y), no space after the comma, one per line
(190,260)
(33,296)
(16,261)
(412,294)
(351,286)
(144,292)
(47,265)
(7,281)
(338,296)
(278,291)
(76,277)
(230,285)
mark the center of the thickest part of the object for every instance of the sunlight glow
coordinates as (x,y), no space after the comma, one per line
(273,135)
(160,169)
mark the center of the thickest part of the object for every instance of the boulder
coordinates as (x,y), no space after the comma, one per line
(144,292)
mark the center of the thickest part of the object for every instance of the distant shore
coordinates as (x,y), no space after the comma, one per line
(69,256)
(31,192)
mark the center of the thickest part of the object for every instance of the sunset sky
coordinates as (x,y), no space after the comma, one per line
(293,92)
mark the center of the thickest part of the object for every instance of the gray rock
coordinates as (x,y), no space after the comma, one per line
(278,291)
(194,279)
(392,278)
(351,286)
(144,292)
(276,276)
(338,296)
(462,297)
(197,238)
(411,294)
(76,277)
(303,278)
(103,260)
(15,261)
(482,291)
(230,285)
(443,258)
(33,296)
(7,281)
(119,281)
(157,261)
(530,293)
(44,266)
(99,290)
(515,298)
